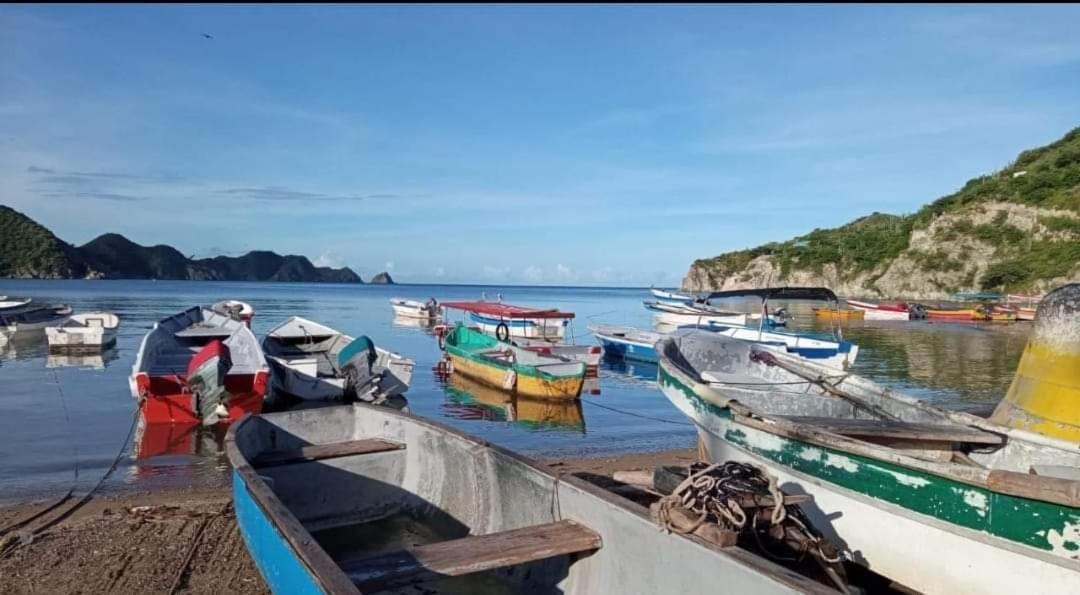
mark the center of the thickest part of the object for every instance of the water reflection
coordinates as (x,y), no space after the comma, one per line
(629,370)
(469,400)
(97,361)
(420,323)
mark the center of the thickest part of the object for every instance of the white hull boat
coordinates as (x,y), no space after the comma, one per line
(839,355)
(429,310)
(879,312)
(83,332)
(10,305)
(241,311)
(305,360)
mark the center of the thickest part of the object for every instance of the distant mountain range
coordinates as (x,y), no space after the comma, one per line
(29,250)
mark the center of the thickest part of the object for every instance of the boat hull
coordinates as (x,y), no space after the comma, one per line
(966,315)
(627,348)
(930,533)
(537,387)
(166,403)
(830,314)
(551,329)
(673,319)
(879,312)
(79,340)
(420,311)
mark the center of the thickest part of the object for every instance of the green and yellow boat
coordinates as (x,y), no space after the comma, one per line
(507,367)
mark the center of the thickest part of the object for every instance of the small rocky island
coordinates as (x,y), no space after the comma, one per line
(383,278)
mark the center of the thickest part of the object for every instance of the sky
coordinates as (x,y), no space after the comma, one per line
(565,145)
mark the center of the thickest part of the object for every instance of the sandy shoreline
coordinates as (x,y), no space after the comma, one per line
(179,540)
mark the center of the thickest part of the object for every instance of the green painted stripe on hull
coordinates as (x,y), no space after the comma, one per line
(1042,525)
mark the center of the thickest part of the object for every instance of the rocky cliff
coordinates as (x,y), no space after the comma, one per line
(29,250)
(382,279)
(1017,230)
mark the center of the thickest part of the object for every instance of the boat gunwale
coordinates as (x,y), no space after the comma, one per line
(315,557)
(532,370)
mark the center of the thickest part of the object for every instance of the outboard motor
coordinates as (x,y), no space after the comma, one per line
(206,379)
(357,363)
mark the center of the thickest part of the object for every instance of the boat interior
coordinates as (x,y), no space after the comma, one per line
(417,505)
(506,355)
(168,349)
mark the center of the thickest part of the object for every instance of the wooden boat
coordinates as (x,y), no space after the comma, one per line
(512,368)
(429,310)
(941,501)
(957,314)
(199,366)
(365,499)
(88,332)
(236,309)
(871,311)
(468,396)
(679,315)
(834,314)
(314,362)
(505,321)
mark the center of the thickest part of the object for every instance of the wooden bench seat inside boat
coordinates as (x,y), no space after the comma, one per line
(319,452)
(470,555)
(898,430)
(202,332)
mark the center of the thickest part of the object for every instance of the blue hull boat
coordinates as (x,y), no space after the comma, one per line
(627,342)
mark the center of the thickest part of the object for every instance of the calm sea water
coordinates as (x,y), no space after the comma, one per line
(65,416)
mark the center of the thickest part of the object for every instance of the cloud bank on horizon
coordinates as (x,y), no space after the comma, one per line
(596,145)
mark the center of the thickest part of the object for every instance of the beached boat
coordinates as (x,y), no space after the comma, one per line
(83,332)
(429,310)
(871,311)
(468,399)
(505,321)
(941,501)
(242,311)
(314,362)
(679,315)
(834,314)
(515,369)
(362,499)
(199,366)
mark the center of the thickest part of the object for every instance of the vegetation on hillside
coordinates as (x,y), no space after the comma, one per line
(27,248)
(1047,177)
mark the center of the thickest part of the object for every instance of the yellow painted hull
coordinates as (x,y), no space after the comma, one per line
(838,314)
(564,412)
(525,385)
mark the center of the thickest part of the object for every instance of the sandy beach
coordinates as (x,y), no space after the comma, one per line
(178,541)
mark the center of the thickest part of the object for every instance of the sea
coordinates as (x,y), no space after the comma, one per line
(65,420)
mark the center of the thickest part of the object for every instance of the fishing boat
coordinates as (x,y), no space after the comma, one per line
(1025,305)
(506,321)
(358,499)
(679,315)
(871,311)
(834,314)
(671,296)
(587,354)
(429,310)
(88,332)
(512,368)
(30,319)
(627,342)
(314,362)
(469,399)
(939,500)
(1004,313)
(958,314)
(242,311)
(199,366)
(9,305)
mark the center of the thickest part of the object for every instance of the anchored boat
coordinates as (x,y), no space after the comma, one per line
(682,314)
(89,332)
(506,321)
(871,311)
(314,362)
(242,311)
(364,499)
(199,366)
(627,342)
(512,368)
(941,501)
(429,310)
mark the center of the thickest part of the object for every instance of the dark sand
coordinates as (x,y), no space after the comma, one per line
(177,540)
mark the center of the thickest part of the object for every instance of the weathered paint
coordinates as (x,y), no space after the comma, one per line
(1028,522)
(277,561)
(541,386)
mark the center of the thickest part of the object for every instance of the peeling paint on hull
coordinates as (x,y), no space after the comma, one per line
(928,532)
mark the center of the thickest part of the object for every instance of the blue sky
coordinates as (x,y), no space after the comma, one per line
(605,145)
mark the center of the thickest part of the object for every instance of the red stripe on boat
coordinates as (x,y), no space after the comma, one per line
(506,310)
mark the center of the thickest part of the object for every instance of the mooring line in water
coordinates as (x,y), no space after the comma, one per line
(632,414)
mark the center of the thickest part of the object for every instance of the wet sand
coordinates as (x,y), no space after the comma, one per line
(175,541)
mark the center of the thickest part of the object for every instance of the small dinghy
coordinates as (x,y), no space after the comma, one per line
(512,368)
(314,362)
(30,319)
(199,366)
(361,499)
(235,308)
(941,501)
(90,332)
(429,310)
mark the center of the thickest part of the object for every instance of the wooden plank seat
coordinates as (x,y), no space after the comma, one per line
(202,332)
(898,430)
(470,555)
(318,452)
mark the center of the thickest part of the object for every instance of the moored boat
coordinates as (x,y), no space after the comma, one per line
(429,310)
(834,314)
(9,304)
(679,315)
(88,332)
(671,296)
(199,366)
(627,342)
(871,311)
(505,321)
(324,497)
(512,368)
(242,311)
(314,362)
(941,501)
(587,354)
(958,314)
(33,318)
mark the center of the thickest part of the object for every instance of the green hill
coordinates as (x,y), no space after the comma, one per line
(1015,230)
(29,250)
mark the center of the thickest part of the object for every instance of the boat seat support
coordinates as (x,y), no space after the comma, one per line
(318,452)
(470,555)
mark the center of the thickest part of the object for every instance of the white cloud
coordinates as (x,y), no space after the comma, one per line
(493,272)
(533,274)
(389,266)
(440,272)
(564,274)
(328,259)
